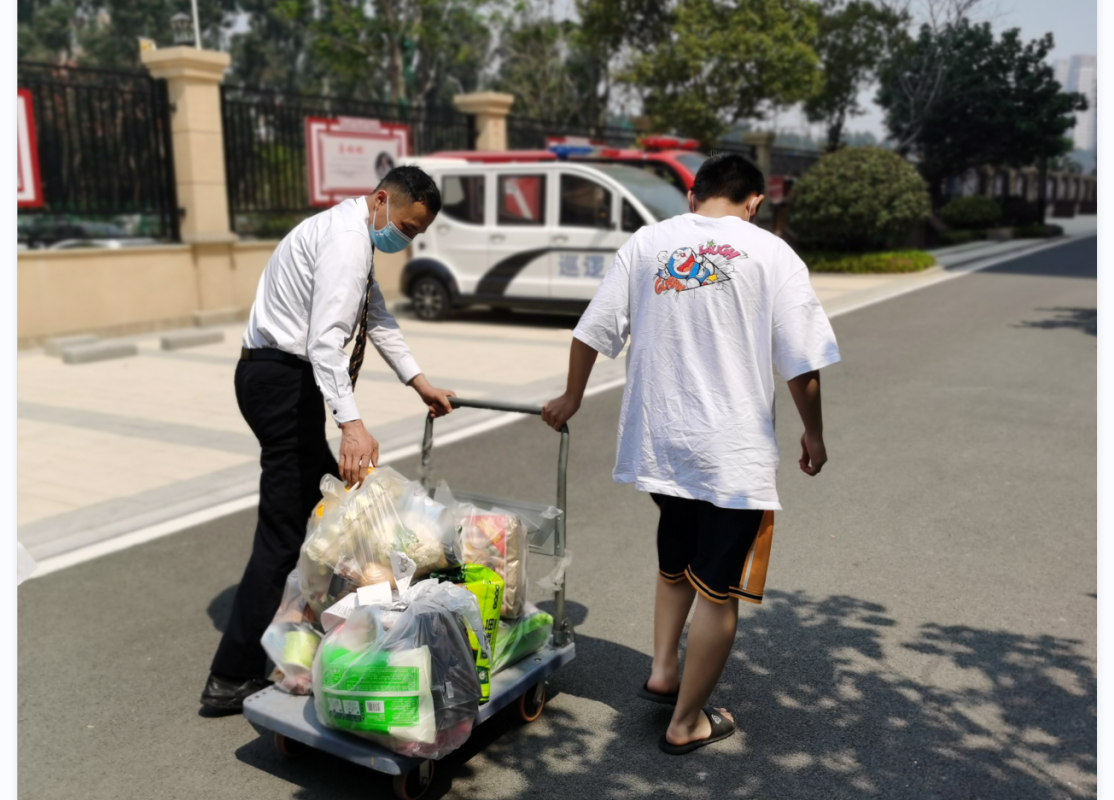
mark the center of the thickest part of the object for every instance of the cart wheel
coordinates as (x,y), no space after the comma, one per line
(288,748)
(532,702)
(415,783)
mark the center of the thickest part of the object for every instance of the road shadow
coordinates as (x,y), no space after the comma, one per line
(1085,320)
(497,316)
(220,607)
(831,704)
(1074,259)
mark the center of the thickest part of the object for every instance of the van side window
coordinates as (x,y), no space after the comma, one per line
(584,203)
(632,220)
(462,198)
(521,199)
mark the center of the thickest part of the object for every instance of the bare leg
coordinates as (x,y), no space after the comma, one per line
(671,609)
(711,635)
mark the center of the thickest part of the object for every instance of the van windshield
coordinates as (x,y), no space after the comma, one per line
(663,200)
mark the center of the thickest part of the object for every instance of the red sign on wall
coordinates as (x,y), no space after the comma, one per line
(348,156)
(30,189)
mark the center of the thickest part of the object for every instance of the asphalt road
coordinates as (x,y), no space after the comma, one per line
(929,629)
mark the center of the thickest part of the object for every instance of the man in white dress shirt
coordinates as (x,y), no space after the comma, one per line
(317,292)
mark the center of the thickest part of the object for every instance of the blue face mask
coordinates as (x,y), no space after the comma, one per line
(389,239)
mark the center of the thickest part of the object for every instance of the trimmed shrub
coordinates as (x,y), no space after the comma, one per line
(971,213)
(1018,211)
(1037,231)
(960,237)
(894,261)
(857,198)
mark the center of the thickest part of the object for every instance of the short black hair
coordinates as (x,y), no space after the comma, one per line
(413,185)
(728,175)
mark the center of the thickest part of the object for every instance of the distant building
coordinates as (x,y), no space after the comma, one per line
(1078,74)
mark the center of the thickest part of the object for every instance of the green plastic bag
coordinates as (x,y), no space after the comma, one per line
(520,637)
(487,586)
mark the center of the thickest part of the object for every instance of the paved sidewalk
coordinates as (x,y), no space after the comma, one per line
(108,448)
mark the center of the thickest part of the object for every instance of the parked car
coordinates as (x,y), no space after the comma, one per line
(538,235)
(675,161)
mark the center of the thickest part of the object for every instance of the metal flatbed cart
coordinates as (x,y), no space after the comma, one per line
(292,720)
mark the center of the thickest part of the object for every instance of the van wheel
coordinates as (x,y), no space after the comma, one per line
(430,298)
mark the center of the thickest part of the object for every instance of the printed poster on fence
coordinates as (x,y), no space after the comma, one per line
(348,156)
(29,190)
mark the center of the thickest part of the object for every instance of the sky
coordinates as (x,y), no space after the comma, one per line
(1073,24)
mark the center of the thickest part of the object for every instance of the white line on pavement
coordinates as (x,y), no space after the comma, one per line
(125,541)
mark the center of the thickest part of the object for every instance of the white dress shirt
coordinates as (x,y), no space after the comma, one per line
(310,297)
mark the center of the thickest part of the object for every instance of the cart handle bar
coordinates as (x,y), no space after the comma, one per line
(494,405)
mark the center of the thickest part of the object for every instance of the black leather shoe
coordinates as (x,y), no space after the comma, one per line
(227,694)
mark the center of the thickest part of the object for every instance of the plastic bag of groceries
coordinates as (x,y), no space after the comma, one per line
(404,675)
(497,540)
(518,638)
(356,531)
(291,640)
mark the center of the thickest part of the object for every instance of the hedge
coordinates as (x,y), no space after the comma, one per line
(891,261)
(972,213)
(857,199)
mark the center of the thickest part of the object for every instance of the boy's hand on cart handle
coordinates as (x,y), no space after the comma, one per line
(436,399)
(560,410)
(358,451)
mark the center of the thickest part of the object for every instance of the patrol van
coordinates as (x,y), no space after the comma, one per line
(528,235)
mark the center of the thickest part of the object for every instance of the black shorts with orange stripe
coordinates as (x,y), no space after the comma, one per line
(722,552)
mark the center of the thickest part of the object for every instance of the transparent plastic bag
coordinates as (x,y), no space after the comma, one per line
(520,637)
(291,640)
(496,539)
(404,676)
(322,548)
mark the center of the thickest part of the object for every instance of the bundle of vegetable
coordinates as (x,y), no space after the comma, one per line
(353,533)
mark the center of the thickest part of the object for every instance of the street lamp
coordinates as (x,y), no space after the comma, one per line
(182,25)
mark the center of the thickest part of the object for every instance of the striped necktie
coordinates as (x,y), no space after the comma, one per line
(357,359)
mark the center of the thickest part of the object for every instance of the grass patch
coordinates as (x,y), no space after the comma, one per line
(860,263)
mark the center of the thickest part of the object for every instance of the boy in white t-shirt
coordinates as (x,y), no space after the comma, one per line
(713,305)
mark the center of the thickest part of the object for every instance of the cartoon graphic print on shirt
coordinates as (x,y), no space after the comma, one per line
(691,268)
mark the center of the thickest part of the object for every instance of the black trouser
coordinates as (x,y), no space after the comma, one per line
(286,412)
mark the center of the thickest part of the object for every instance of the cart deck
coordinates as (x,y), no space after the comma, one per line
(293,716)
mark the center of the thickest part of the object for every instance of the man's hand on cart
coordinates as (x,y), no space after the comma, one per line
(436,399)
(358,452)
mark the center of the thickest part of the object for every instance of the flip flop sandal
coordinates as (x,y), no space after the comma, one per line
(657,697)
(722,728)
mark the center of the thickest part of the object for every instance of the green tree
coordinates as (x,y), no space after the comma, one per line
(997,102)
(105,34)
(544,64)
(854,37)
(410,52)
(608,30)
(721,61)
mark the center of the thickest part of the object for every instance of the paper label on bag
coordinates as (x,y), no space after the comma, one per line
(378,594)
(338,612)
(403,568)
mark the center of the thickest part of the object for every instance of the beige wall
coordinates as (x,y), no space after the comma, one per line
(140,289)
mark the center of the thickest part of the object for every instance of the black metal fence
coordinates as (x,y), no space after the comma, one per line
(793,163)
(265,150)
(105,156)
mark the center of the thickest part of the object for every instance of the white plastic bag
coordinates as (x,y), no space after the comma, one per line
(404,675)
(291,640)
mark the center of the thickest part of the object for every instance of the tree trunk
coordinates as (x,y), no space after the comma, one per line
(394,60)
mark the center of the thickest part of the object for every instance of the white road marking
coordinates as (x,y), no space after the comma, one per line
(172,526)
